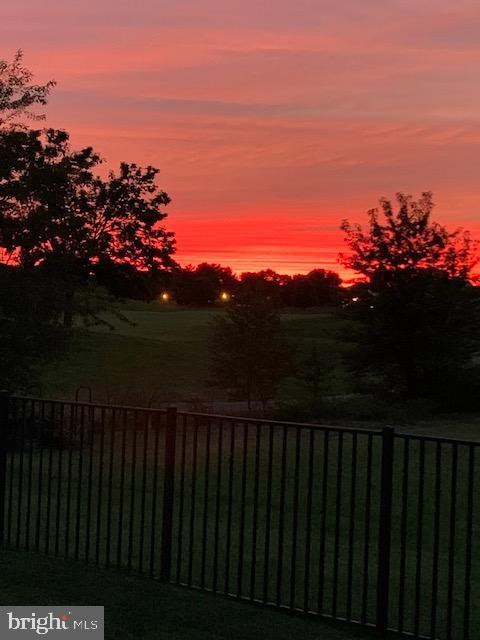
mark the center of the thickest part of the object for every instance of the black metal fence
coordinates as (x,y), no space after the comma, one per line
(368,526)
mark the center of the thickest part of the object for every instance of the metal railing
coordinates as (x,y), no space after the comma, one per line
(368,526)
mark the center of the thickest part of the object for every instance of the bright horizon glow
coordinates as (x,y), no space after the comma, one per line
(269,121)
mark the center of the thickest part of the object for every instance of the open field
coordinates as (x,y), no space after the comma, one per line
(136,608)
(162,354)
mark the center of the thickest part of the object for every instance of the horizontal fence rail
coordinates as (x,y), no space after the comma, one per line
(369,526)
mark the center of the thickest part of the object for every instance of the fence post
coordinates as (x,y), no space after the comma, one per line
(384,531)
(4,415)
(168,493)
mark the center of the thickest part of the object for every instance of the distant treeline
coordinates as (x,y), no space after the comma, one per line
(209,284)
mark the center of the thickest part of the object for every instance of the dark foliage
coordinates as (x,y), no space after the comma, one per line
(419,314)
(56,212)
(248,355)
(18,93)
(202,285)
(265,284)
(208,284)
(315,289)
(124,280)
(29,331)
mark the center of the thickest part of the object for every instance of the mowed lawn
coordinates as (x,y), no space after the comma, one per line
(161,354)
(136,607)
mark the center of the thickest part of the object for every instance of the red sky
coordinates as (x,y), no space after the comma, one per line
(270,120)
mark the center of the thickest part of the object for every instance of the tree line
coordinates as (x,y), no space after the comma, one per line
(209,284)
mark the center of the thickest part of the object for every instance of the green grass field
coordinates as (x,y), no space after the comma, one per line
(136,607)
(162,354)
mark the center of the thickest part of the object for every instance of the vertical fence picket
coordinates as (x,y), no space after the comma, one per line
(384,534)
(205,505)
(52,435)
(308,523)
(181,506)
(436,537)
(168,489)
(403,533)
(338,512)
(366,542)
(4,427)
(133,478)
(351,537)
(145,431)
(108,544)
(31,444)
(296,496)
(218,503)
(468,544)
(452,542)
(241,537)
(268,518)
(153,516)
(40,432)
(9,438)
(228,547)
(281,524)
(419,541)
(256,480)
(91,450)
(323,526)
(80,474)
(100,486)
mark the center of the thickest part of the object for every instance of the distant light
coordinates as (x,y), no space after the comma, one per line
(356,299)
(165,296)
(225,296)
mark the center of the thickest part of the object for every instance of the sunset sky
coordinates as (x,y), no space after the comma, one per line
(271,120)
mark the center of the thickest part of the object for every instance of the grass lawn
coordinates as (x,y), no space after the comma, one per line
(162,355)
(136,607)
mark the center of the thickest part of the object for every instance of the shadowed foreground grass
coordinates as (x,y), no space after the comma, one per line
(137,607)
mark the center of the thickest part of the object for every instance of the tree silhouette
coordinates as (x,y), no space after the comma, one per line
(406,241)
(55,211)
(29,334)
(28,304)
(265,284)
(419,312)
(18,93)
(203,284)
(317,288)
(248,355)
